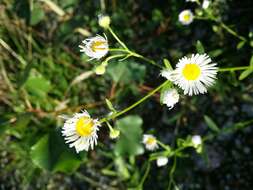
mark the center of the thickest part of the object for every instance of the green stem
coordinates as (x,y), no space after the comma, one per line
(140,186)
(131,53)
(232,32)
(233,69)
(113,116)
(223,25)
(116,37)
(112,57)
(145,59)
(172,172)
(119,49)
(166,147)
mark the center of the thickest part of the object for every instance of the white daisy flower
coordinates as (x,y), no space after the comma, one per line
(161,161)
(196,140)
(80,131)
(185,17)
(104,21)
(191,0)
(170,97)
(150,142)
(95,47)
(194,74)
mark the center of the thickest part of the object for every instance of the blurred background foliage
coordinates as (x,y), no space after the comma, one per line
(43,75)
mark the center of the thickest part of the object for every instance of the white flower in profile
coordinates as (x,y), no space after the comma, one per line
(150,142)
(95,47)
(170,97)
(191,0)
(195,74)
(80,131)
(167,73)
(185,17)
(196,140)
(205,4)
(104,21)
(161,161)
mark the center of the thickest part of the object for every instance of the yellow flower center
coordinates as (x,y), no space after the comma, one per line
(96,45)
(84,126)
(151,141)
(191,71)
(187,17)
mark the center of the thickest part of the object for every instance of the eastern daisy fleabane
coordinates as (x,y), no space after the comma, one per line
(95,47)
(170,98)
(150,142)
(80,131)
(185,17)
(194,74)
(161,161)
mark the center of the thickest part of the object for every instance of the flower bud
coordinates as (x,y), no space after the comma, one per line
(196,140)
(114,133)
(104,21)
(100,70)
(161,161)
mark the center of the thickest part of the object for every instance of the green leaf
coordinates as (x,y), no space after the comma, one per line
(211,124)
(129,142)
(126,72)
(251,62)
(200,48)
(37,85)
(109,105)
(123,172)
(240,44)
(37,15)
(118,71)
(245,74)
(51,153)
(167,64)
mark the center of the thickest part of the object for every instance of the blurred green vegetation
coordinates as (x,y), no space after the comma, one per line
(43,75)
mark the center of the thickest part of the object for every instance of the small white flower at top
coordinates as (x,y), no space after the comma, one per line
(195,74)
(196,140)
(170,98)
(161,161)
(80,131)
(104,21)
(150,142)
(185,17)
(205,4)
(191,0)
(95,47)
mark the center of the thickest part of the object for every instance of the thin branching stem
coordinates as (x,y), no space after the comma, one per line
(233,69)
(113,116)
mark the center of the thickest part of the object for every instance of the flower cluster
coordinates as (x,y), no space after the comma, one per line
(192,74)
